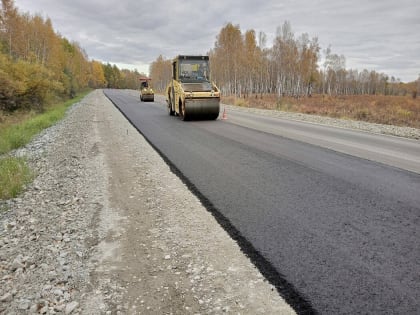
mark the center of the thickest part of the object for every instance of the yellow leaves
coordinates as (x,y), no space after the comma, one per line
(9,86)
(24,84)
(37,63)
(97,76)
(161,73)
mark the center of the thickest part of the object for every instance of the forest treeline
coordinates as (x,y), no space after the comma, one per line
(39,66)
(242,65)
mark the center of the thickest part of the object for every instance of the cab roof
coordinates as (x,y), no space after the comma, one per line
(191,57)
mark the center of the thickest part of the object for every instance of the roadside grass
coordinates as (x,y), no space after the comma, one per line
(16,131)
(14,175)
(389,110)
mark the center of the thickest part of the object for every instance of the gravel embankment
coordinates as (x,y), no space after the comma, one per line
(45,233)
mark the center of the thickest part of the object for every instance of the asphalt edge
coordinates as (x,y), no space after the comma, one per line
(286,290)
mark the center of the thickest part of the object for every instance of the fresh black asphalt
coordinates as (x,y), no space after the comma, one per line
(335,233)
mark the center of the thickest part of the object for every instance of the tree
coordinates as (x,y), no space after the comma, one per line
(160,71)
(334,71)
(226,59)
(9,21)
(37,64)
(97,79)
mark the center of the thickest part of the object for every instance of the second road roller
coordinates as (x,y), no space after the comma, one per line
(191,94)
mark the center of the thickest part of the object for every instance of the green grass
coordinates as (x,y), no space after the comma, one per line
(17,135)
(14,173)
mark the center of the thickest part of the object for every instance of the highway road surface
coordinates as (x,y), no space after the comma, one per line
(329,215)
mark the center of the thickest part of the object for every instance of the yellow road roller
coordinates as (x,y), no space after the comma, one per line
(191,95)
(146,91)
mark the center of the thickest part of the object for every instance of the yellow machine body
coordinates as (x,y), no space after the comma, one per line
(191,94)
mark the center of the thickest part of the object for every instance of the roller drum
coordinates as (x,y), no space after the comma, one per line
(202,108)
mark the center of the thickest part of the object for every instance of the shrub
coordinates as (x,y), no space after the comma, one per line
(24,85)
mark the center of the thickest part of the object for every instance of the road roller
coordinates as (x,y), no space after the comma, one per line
(191,94)
(146,91)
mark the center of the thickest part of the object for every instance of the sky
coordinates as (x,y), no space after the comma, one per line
(380,35)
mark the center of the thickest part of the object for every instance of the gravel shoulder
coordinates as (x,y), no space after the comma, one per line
(107,228)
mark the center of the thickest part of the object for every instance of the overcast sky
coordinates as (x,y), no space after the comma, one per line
(381,35)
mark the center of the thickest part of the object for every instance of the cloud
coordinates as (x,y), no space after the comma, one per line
(379,34)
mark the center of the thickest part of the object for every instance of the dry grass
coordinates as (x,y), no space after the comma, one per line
(390,110)
(14,175)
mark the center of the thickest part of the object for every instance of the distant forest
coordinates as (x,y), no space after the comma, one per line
(241,65)
(39,66)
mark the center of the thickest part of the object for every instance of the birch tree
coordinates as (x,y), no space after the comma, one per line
(160,72)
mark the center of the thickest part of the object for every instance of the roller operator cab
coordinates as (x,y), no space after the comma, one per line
(191,94)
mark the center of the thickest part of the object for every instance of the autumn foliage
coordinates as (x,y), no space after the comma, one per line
(290,76)
(38,65)
(295,74)
(161,72)
(294,66)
